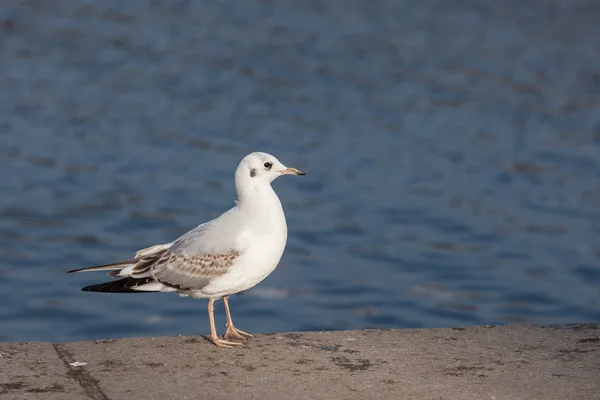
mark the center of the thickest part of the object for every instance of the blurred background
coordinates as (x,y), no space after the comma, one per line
(452,150)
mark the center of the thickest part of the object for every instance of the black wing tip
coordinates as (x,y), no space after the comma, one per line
(125,285)
(100,288)
(94,288)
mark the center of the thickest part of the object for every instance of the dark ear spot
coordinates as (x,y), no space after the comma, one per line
(252,172)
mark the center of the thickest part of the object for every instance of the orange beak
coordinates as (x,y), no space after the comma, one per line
(292,171)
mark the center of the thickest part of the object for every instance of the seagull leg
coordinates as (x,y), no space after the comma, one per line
(213,331)
(232,332)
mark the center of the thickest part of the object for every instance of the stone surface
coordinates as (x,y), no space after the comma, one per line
(507,362)
(36,371)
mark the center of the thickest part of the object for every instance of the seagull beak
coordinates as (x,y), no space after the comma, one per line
(292,171)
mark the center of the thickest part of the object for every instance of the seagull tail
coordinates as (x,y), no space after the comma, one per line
(106,267)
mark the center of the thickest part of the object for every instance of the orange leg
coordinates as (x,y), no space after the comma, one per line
(213,331)
(232,332)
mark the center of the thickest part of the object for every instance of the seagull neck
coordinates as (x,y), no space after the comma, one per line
(259,195)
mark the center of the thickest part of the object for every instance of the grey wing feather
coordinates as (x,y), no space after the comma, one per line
(189,263)
(192,272)
(200,255)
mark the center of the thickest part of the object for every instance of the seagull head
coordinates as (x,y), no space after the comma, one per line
(263,168)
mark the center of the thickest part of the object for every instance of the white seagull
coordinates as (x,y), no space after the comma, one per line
(227,255)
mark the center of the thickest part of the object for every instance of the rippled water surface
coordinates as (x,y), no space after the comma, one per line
(452,151)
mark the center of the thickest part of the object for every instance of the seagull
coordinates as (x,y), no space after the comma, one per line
(224,256)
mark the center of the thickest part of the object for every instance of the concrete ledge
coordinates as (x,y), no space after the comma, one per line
(505,362)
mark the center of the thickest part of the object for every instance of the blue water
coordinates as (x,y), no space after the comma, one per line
(452,151)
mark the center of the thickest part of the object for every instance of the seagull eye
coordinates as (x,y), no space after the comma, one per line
(268,165)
